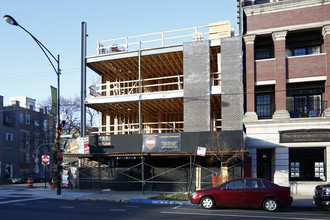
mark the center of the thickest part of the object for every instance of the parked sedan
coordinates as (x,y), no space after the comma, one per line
(321,196)
(37,178)
(244,192)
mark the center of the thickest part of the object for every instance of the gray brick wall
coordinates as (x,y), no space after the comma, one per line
(231,83)
(196,71)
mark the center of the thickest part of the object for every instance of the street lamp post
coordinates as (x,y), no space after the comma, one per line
(37,157)
(10,20)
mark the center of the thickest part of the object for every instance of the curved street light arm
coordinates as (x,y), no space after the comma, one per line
(43,48)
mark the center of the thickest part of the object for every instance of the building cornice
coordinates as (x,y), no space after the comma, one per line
(282,6)
(289,28)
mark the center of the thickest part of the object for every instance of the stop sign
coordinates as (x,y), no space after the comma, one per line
(45,159)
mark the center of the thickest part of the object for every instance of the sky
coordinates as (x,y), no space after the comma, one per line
(25,70)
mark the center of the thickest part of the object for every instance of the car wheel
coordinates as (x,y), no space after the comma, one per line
(207,202)
(270,205)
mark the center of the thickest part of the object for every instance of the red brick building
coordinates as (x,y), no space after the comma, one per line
(287,73)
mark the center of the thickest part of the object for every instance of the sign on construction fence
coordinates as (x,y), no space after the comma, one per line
(201,151)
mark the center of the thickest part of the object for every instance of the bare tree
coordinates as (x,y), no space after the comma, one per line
(225,150)
(70,113)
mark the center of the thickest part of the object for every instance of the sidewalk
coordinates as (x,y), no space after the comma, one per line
(303,201)
(38,190)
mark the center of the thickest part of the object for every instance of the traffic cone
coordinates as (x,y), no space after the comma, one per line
(52,186)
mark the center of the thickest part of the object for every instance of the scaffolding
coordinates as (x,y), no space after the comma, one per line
(143,173)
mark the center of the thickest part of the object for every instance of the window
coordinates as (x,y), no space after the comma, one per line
(257,184)
(21,140)
(264,105)
(27,141)
(36,140)
(263,53)
(27,158)
(306,51)
(261,1)
(9,118)
(307,43)
(253,184)
(307,164)
(45,125)
(237,184)
(27,119)
(9,137)
(21,118)
(267,185)
(305,103)
(263,47)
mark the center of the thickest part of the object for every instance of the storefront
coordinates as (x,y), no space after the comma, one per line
(295,153)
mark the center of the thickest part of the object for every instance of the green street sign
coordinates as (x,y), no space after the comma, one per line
(66,136)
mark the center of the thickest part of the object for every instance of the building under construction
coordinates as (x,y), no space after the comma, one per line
(161,96)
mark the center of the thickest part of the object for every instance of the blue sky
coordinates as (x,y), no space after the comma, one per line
(24,69)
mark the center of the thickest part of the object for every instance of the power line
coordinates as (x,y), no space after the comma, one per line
(37,75)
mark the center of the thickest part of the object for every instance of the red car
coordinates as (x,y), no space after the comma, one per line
(244,192)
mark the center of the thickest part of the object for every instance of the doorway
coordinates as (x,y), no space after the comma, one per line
(9,172)
(264,164)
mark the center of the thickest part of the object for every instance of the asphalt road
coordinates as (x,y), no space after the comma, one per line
(24,207)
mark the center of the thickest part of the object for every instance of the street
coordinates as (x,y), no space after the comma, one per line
(27,207)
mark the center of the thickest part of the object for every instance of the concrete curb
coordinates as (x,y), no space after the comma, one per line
(163,202)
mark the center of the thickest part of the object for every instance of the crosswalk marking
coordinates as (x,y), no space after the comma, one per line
(118,210)
(67,207)
(19,200)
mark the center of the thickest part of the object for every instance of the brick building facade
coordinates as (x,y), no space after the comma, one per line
(23,131)
(287,75)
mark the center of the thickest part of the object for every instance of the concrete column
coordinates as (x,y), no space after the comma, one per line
(107,124)
(123,122)
(327,162)
(198,178)
(160,119)
(224,171)
(250,115)
(281,166)
(253,155)
(115,123)
(326,49)
(100,121)
(280,75)
(198,174)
